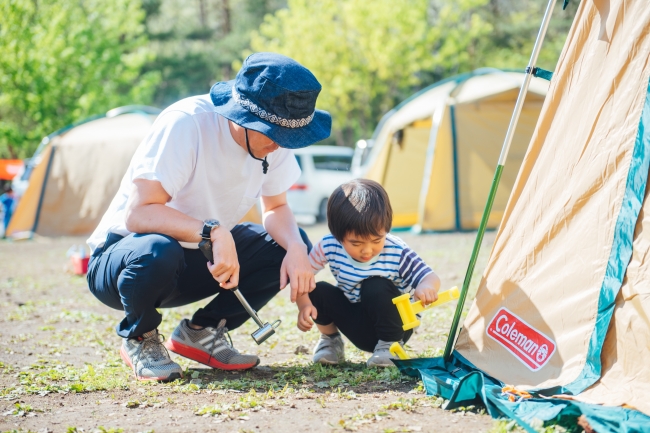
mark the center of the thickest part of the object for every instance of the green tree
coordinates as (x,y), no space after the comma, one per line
(371,55)
(197,42)
(63,60)
(516,24)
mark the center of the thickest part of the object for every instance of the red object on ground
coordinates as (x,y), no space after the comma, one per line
(79,265)
(203,357)
(9,168)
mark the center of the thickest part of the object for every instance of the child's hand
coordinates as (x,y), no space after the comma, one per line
(426,294)
(305,316)
(427,290)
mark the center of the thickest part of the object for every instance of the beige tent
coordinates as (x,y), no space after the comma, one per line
(564,303)
(76,173)
(436,152)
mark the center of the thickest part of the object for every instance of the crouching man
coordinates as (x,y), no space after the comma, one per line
(206,161)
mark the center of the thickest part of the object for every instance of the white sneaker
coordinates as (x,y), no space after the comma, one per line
(381,357)
(329,350)
(148,358)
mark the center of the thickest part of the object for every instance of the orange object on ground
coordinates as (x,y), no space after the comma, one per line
(515,394)
(9,168)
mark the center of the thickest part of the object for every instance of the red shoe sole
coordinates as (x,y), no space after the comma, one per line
(202,357)
(127,361)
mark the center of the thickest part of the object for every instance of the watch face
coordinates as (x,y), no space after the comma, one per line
(211,223)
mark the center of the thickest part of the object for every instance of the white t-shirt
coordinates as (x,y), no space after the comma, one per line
(190,151)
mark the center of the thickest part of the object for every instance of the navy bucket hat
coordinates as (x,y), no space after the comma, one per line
(276,96)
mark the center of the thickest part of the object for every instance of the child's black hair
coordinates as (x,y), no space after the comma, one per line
(360,206)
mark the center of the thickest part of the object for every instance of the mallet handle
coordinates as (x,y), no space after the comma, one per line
(443,297)
(247,307)
(206,248)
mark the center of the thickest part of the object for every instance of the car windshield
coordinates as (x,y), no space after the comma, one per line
(333,162)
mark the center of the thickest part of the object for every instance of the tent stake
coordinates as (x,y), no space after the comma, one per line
(451,338)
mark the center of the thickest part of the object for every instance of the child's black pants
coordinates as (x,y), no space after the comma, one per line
(363,323)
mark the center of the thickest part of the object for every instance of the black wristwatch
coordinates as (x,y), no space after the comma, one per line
(208,225)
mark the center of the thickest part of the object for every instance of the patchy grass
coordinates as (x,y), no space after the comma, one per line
(21,410)
(60,362)
(47,376)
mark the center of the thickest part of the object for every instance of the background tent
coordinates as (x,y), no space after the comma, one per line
(436,152)
(77,171)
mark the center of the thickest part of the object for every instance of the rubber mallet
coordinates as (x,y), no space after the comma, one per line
(408,311)
(265,329)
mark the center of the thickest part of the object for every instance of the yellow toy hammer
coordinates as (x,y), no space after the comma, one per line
(398,351)
(407,311)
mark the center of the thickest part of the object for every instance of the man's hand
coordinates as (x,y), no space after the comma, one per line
(305,316)
(225,266)
(297,269)
(280,223)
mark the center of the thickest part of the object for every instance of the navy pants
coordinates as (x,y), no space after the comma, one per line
(142,272)
(363,323)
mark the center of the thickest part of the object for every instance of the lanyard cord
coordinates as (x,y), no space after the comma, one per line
(265,164)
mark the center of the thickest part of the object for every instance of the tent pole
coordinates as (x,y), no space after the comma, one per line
(384,175)
(436,120)
(454,153)
(451,339)
(37,216)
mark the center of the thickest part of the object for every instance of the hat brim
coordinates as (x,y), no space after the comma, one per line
(291,138)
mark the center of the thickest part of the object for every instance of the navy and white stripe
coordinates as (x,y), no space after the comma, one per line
(396,262)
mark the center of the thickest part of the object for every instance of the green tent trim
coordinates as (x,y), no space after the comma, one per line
(464,385)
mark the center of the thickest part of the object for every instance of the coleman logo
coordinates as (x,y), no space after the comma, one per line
(530,346)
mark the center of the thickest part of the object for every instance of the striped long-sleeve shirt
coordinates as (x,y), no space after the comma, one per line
(396,262)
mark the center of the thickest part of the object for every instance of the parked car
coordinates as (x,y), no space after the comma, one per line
(323,169)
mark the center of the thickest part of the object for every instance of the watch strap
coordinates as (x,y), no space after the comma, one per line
(205,231)
(208,225)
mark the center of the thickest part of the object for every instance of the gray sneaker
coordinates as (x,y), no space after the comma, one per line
(329,350)
(148,358)
(381,357)
(209,346)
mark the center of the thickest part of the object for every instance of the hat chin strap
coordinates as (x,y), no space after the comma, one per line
(265,164)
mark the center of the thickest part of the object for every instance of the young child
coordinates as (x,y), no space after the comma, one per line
(7,201)
(371,267)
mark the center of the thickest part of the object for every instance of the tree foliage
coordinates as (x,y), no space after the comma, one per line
(369,56)
(197,42)
(63,60)
(516,24)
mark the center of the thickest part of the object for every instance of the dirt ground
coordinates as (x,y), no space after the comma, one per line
(60,369)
